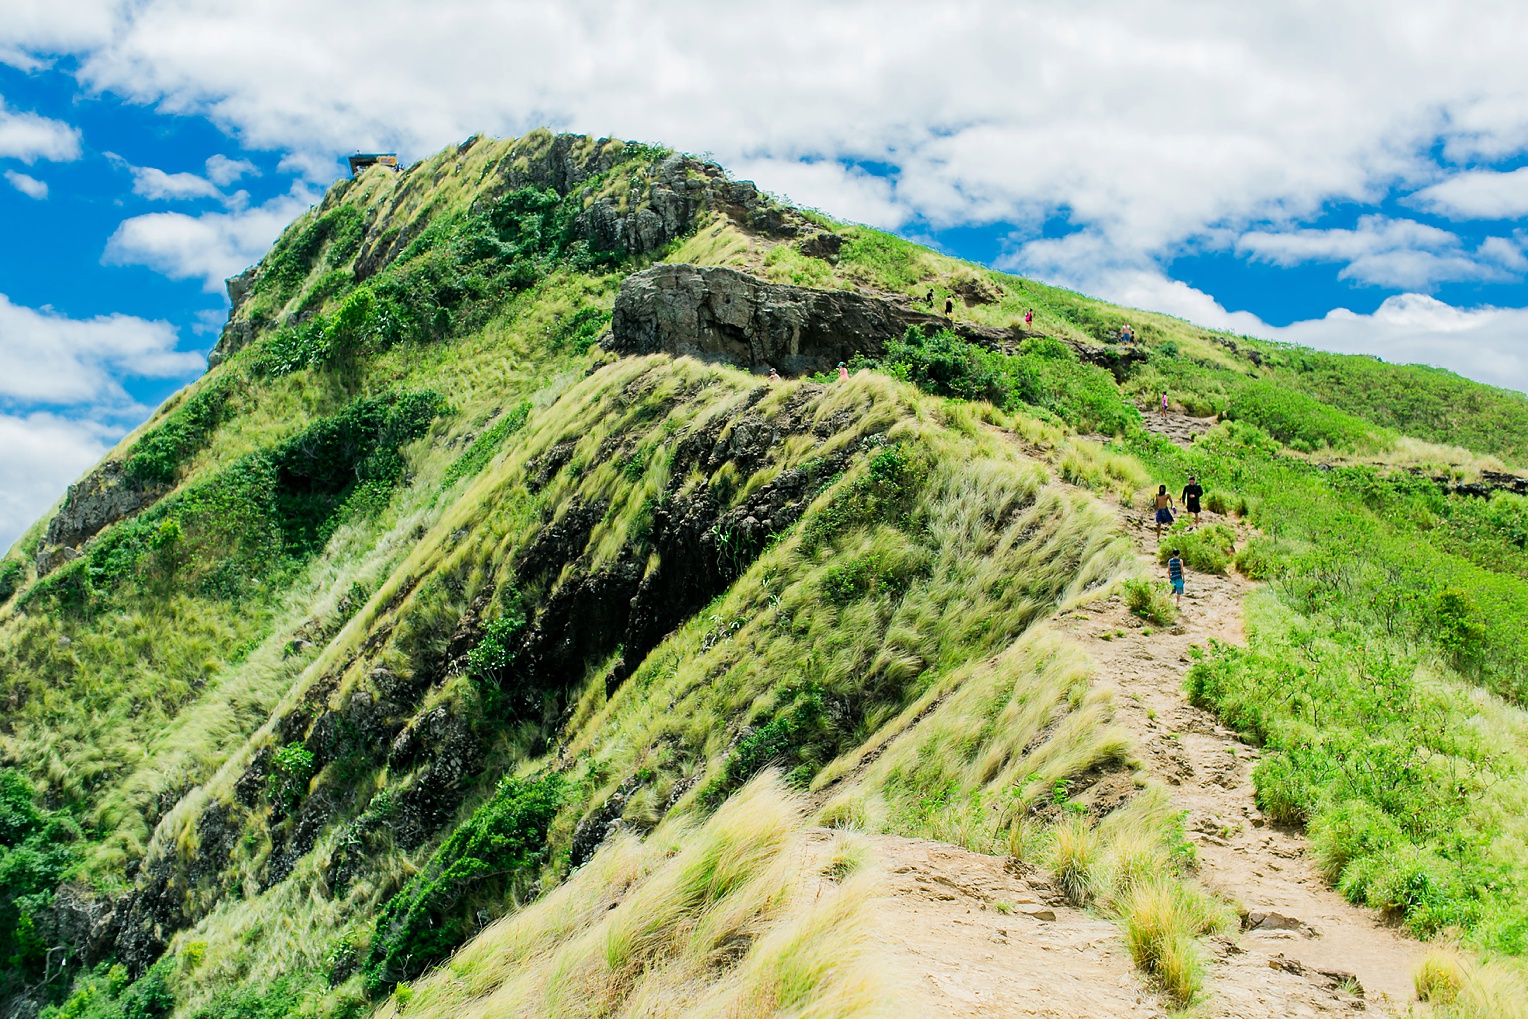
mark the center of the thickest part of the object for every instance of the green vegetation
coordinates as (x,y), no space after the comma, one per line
(495,849)
(37,850)
(158,456)
(454,635)
(1044,374)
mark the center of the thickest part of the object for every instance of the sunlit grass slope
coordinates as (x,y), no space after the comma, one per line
(453,664)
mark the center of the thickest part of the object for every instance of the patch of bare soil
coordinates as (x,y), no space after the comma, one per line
(966,937)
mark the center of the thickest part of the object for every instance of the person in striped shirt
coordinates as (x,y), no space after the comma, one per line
(1175,575)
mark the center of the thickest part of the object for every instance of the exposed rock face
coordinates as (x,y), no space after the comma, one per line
(720,314)
(104,496)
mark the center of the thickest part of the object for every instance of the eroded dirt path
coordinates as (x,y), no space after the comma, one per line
(1306,950)
(965,937)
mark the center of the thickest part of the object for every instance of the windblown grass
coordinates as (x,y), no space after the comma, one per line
(734,916)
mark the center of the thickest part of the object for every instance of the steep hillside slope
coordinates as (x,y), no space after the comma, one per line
(486,632)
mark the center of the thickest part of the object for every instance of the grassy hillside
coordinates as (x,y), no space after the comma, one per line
(440,629)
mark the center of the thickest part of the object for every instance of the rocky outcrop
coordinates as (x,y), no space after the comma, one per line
(104,496)
(719,314)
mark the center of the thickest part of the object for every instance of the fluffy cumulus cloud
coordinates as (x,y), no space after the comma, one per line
(62,403)
(27,184)
(40,454)
(1478,194)
(210,246)
(29,137)
(1150,124)
(50,359)
(1389,253)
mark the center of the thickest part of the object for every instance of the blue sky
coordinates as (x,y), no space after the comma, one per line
(1353,179)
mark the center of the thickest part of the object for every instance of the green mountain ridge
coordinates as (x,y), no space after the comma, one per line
(425,604)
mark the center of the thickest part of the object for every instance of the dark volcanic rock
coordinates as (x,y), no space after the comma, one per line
(720,314)
(104,496)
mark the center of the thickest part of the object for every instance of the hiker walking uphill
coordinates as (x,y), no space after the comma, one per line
(1192,493)
(1175,577)
(1163,410)
(1164,509)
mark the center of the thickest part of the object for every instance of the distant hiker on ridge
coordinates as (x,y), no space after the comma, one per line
(1164,405)
(1126,334)
(929,300)
(1029,318)
(843,372)
(1175,577)
(1191,495)
(774,376)
(1164,509)
(949,306)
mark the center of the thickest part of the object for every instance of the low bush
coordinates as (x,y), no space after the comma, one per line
(13,574)
(157,457)
(1206,549)
(1301,422)
(1075,858)
(1150,601)
(490,855)
(1438,977)
(1162,920)
(37,849)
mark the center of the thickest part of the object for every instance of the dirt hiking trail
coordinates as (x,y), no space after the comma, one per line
(969,937)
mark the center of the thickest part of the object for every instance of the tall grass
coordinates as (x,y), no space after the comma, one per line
(733,916)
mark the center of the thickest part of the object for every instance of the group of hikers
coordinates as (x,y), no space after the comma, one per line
(1190,498)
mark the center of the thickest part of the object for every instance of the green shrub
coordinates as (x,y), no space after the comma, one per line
(1262,558)
(1150,601)
(157,457)
(1206,549)
(287,782)
(496,848)
(37,849)
(1301,422)
(13,573)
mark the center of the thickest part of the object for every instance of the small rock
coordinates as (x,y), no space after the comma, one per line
(1041,914)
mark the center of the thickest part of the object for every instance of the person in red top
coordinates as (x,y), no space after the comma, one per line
(1029,318)
(1164,406)
(843,372)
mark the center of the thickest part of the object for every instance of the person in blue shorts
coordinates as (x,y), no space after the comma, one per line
(1175,576)
(1164,509)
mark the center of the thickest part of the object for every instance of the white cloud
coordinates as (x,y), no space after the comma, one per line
(158,185)
(211,246)
(29,186)
(1387,252)
(223,171)
(40,454)
(30,137)
(1149,124)
(51,359)
(1478,194)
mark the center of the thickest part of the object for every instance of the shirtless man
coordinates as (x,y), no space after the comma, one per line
(1164,509)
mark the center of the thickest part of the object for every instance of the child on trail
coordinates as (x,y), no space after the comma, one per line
(1164,405)
(1175,576)
(1164,509)
(843,372)
(1192,492)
